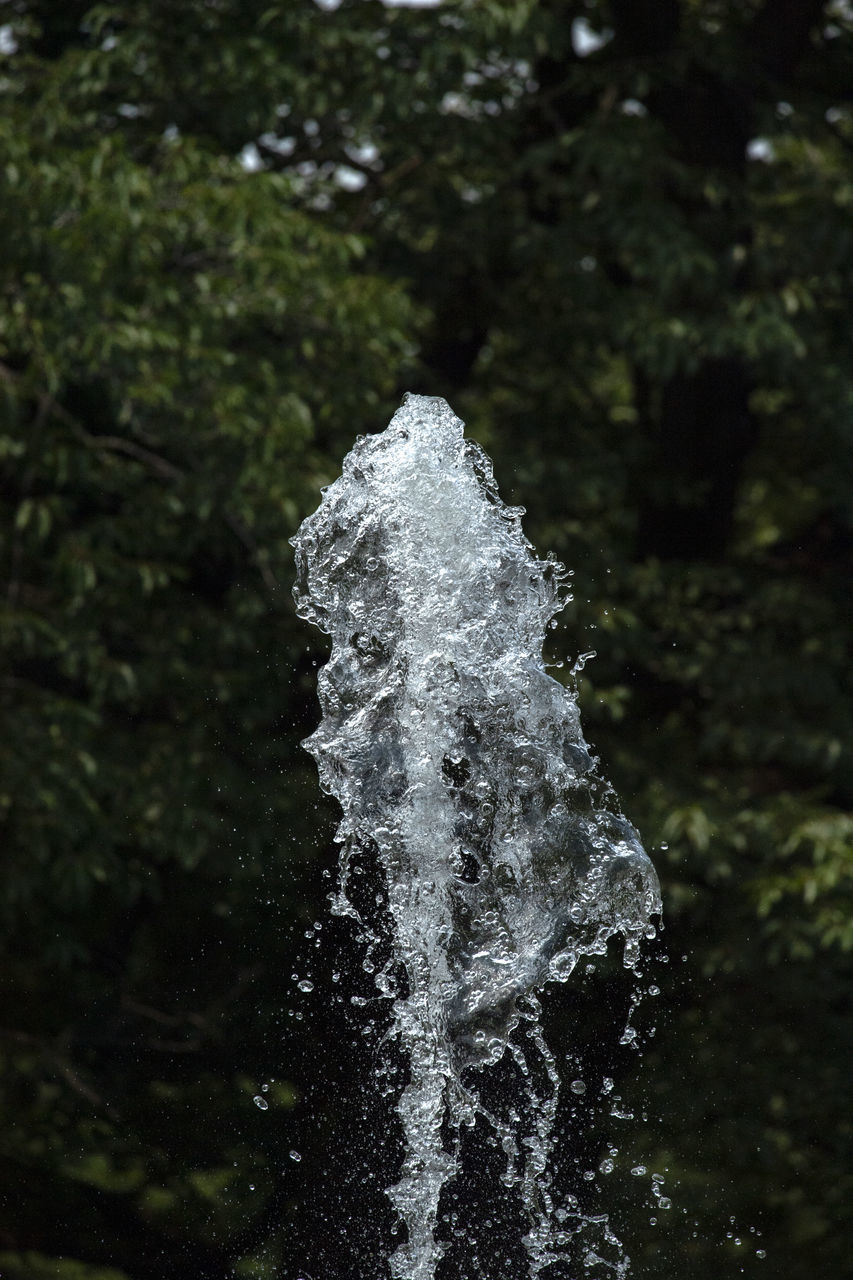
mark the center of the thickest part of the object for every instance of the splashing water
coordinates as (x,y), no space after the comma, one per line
(461,765)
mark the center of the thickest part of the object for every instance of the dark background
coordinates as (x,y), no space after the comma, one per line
(618,238)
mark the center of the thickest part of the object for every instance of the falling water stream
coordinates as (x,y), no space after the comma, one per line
(460,765)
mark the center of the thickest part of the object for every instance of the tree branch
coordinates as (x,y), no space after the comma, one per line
(48,406)
(779,36)
(644,28)
(55,1055)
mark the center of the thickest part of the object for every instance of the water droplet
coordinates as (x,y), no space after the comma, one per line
(261,1102)
(294,1155)
(760,1253)
(581,661)
(577,1086)
(638,1170)
(305,985)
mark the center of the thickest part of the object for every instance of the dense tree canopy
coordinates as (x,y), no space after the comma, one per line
(618,237)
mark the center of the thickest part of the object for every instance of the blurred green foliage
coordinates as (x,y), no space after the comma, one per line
(618,238)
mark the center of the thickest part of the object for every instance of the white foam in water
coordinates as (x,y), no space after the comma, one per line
(461,763)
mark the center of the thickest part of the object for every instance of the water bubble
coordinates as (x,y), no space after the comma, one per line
(261,1102)
(578,1086)
(760,1253)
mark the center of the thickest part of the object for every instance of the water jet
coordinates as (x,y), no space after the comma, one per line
(460,763)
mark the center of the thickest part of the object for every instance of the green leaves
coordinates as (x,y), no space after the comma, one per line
(815,878)
(646,320)
(173,330)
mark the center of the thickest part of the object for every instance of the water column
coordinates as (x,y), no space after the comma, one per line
(461,763)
